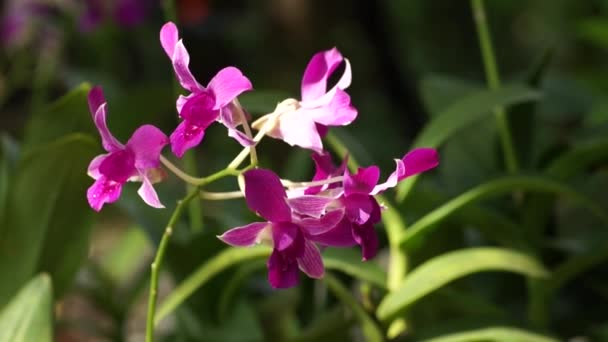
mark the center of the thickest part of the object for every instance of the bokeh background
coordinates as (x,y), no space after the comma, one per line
(411,60)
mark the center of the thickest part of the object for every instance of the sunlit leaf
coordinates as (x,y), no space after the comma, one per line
(445,268)
(29,315)
(493,334)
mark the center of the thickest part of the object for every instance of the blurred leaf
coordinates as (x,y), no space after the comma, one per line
(331,325)
(445,268)
(126,255)
(371,330)
(48,220)
(225,259)
(440,91)
(262,101)
(348,260)
(495,334)
(577,159)
(29,315)
(492,188)
(595,31)
(234,284)
(463,113)
(67,115)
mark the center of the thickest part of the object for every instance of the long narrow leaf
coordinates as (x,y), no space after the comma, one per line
(494,334)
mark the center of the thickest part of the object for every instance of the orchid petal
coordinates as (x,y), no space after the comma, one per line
(287,238)
(324,168)
(310,205)
(169,36)
(148,194)
(118,166)
(366,237)
(97,106)
(296,129)
(265,195)
(181,61)
(317,226)
(311,262)
(282,271)
(181,101)
(228,119)
(93,169)
(359,207)
(317,72)
(327,98)
(147,142)
(227,84)
(103,191)
(339,236)
(363,182)
(185,136)
(413,163)
(338,112)
(199,109)
(244,236)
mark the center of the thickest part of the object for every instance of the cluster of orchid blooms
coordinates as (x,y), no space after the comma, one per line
(336,209)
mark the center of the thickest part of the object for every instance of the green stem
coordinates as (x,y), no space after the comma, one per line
(158,259)
(492,77)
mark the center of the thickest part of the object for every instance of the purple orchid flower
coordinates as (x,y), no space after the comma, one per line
(304,122)
(126,13)
(292,234)
(138,160)
(203,105)
(356,197)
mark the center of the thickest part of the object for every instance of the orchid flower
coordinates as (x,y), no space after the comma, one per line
(304,122)
(137,160)
(291,234)
(203,105)
(356,197)
(126,13)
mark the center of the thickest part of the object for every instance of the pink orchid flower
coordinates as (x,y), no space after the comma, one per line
(304,122)
(138,160)
(203,105)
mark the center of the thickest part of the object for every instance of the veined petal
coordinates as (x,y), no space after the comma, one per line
(296,129)
(318,70)
(147,142)
(310,205)
(366,237)
(181,62)
(244,236)
(317,226)
(93,170)
(265,195)
(148,194)
(282,271)
(339,236)
(311,262)
(413,163)
(287,238)
(97,105)
(363,182)
(227,84)
(103,191)
(169,36)
(185,136)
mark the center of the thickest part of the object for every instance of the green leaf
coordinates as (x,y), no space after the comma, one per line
(348,260)
(492,188)
(126,255)
(462,114)
(370,329)
(67,115)
(495,334)
(227,258)
(445,268)
(28,316)
(579,158)
(48,220)
(262,101)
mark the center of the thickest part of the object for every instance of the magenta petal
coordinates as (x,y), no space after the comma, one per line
(244,236)
(185,136)
(311,262)
(339,236)
(103,191)
(199,110)
(338,112)
(168,38)
(317,226)
(310,205)
(359,207)
(299,130)
(286,237)
(318,70)
(324,168)
(366,237)
(118,166)
(181,61)
(93,169)
(265,195)
(148,194)
(231,122)
(363,182)
(419,160)
(147,142)
(97,105)
(227,84)
(282,271)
